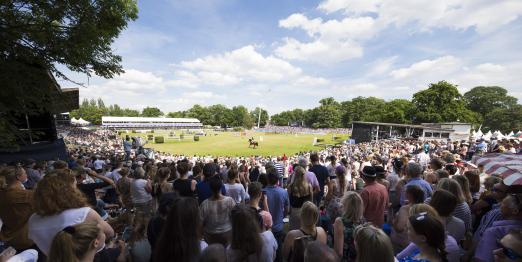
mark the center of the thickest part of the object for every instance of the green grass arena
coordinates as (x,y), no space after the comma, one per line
(233,144)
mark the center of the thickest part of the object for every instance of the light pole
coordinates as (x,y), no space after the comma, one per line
(259,117)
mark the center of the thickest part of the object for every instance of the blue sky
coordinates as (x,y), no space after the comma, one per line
(285,54)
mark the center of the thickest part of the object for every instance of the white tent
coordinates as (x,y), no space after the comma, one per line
(498,135)
(82,122)
(511,134)
(487,136)
(74,120)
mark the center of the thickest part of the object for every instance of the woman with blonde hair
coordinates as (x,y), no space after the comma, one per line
(16,206)
(309,218)
(77,243)
(299,192)
(59,204)
(344,226)
(372,244)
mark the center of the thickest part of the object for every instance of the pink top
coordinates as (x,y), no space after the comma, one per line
(375,199)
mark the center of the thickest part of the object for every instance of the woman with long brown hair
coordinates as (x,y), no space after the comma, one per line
(336,190)
(59,204)
(299,192)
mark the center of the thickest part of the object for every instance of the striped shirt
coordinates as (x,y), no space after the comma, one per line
(463,212)
(487,220)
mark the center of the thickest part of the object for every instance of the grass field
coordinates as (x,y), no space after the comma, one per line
(231,144)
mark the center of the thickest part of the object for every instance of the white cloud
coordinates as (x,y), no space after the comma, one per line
(337,40)
(439,66)
(243,66)
(332,40)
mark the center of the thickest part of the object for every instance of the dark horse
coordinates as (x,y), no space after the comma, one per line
(252,142)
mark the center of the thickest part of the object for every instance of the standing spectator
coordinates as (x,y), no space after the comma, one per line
(462,210)
(372,244)
(331,167)
(257,197)
(414,171)
(426,232)
(318,251)
(234,189)
(161,185)
(16,206)
(322,175)
(123,186)
(375,197)
(78,242)
(336,189)
(89,189)
(310,176)
(308,228)
(278,203)
(140,190)
(185,186)
(299,192)
(203,187)
(399,234)
(127,147)
(215,214)
(248,243)
(511,208)
(344,226)
(464,185)
(138,246)
(33,176)
(58,204)
(180,239)
(445,202)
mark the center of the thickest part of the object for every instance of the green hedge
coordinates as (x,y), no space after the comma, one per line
(152,131)
(159,140)
(237,129)
(181,136)
(196,138)
(150,137)
(320,140)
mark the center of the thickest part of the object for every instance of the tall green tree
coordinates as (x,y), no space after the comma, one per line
(241,117)
(441,102)
(151,112)
(327,114)
(504,119)
(398,111)
(254,114)
(485,99)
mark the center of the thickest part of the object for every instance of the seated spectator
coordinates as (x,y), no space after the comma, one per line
(59,204)
(234,189)
(247,242)
(372,244)
(16,206)
(78,242)
(215,214)
(180,239)
(299,192)
(185,186)
(445,202)
(319,251)
(510,247)
(257,197)
(511,209)
(345,225)
(427,233)
(308,229)
(399,234)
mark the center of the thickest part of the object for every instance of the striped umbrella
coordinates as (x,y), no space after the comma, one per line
(507,166)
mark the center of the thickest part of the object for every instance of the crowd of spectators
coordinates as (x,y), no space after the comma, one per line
(382,201)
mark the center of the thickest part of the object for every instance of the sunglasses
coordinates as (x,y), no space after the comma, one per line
(508,252)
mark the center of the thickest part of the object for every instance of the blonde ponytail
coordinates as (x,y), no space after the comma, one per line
(72,243)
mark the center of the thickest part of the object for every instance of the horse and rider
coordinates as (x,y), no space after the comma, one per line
(252,142)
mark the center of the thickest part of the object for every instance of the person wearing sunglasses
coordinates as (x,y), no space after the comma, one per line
(510,247)
(511,209)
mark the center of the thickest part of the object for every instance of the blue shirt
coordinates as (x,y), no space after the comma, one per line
(204,192)
(278,200)
(425,186)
